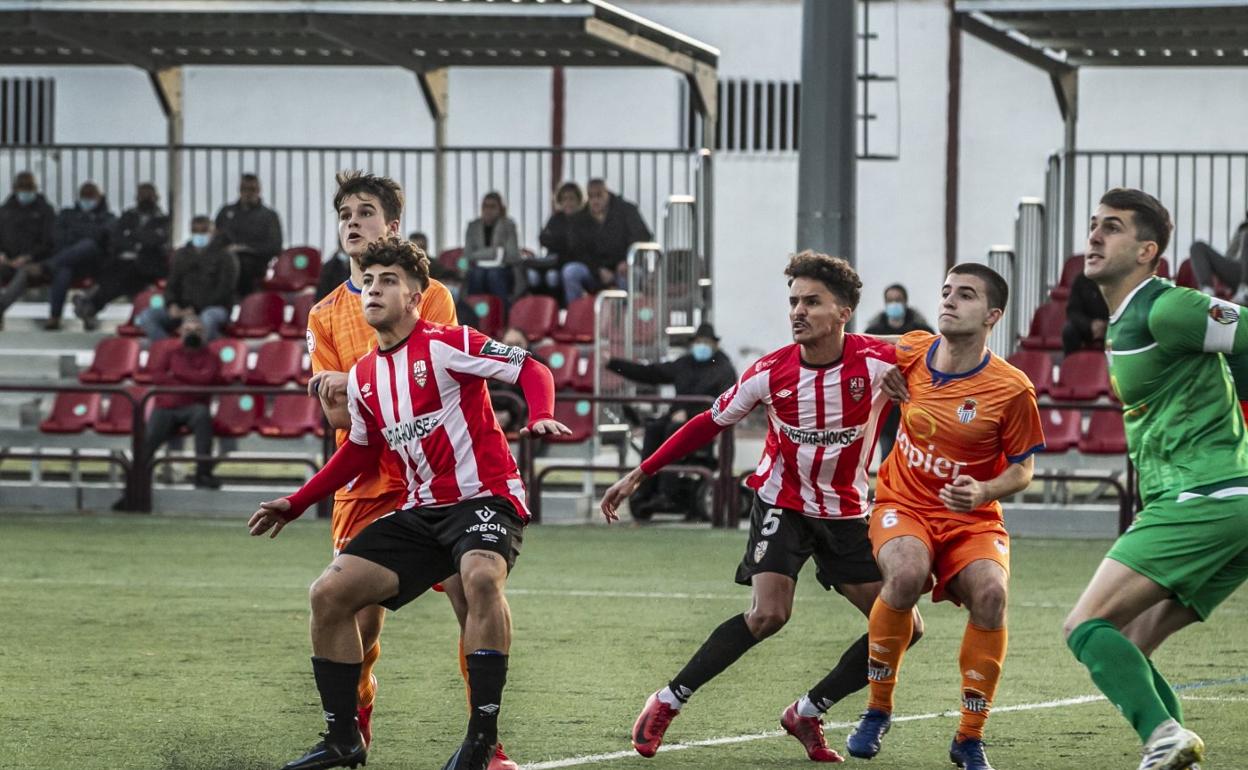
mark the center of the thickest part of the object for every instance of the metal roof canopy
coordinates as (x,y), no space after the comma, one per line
(1063,36)
(422,36)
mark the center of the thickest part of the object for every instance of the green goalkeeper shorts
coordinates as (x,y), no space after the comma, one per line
(1195,544)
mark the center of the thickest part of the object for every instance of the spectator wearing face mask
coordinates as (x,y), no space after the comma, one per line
(202,282)
(898,318)
(704,371)
(26,230)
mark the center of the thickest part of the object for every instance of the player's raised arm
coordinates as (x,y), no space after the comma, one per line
(1185,320)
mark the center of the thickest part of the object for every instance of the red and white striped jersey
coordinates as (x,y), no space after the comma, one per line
(822,425)
(426,398)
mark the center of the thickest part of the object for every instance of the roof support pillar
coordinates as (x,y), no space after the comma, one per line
(828,131)
(168,84)
(703,84)
(434,84)
(1066,86)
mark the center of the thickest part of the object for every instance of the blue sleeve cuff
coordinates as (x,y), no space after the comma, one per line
(1025,455)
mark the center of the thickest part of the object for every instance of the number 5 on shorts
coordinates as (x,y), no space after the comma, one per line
(771,522)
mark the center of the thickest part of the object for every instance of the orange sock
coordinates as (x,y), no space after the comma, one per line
(981,658)
(366,690)
(889,631)
(463,671)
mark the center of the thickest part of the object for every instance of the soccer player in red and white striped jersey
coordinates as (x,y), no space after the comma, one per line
(422,397)
(825,404)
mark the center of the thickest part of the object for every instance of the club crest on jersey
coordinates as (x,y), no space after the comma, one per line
(419,373)
(1223,312)
(966,412)
(311,338)
(760,551)
(857,388)
(514,355)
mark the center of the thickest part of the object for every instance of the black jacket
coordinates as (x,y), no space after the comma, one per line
(912,322)
(1086,304)
(690,376)
(73,225)
(146,234)
(556,237)
(334,270)
(200,279)
(27,229)
(256,227)
(606,244)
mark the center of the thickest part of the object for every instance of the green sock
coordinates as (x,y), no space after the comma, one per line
(1167,694)
(1121,671)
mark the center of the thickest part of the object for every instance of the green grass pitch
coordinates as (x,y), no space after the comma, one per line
(173,644)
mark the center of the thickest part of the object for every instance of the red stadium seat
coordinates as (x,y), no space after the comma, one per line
(534,315)
(1070,271)
(233,356)
(118,416)
(157,359)
(579,324)
(489,310)
(297,327)
(259,315)
(72,413)
(1106,434)
(1084,376)
(305,370)
(579,417)
(1163,268)
(295,269)
(562,359)
(237,414)
(454,258)
(1046,327)
(115,360)
(142,301)
(1038,367)
(1062,429)
(293,414)
(277,363)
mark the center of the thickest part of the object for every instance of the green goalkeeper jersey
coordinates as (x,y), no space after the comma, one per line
(1166,347)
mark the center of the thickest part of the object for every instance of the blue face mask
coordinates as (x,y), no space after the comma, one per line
(895,310)
(701,351)
(88,204)
(26,197)
(200,240)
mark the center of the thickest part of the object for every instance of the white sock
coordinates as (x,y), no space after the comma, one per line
(806,708)
(667,696)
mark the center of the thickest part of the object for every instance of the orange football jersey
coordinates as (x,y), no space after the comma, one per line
(973,424)
(338,337)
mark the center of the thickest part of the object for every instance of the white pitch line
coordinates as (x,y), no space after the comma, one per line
(1217,699)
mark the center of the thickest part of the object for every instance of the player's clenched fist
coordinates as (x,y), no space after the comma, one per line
(271,516)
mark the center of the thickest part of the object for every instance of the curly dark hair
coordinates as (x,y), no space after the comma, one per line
(833,272)
(392,251)
(383,188)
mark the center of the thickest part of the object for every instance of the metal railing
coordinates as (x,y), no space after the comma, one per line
(298,182)
(684,294)
(612,330)
(1031,283)
(1004,336)
(1206,193)
(646,332)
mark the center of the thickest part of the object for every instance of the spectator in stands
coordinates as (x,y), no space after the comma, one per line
(600,235)
(704,371)
(192,363)
(422,242)
(1087,316)
(556,238)
(139,248)
(453,280)
(81,237)
(26,231)
(492,248)
(252,231)
(898,318)
(334,271)
(202,281)
(1231,268)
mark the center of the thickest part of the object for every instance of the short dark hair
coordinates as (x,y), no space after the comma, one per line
(905,295)
(571,187)
(496,196)
(1151,219)
(383,188)
(249,177)
(998,290)
(201,219)
(394,251)
(24,179)
(833,272)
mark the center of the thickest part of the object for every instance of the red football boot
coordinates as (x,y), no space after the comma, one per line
(501,761)
(809,731)
(651,723)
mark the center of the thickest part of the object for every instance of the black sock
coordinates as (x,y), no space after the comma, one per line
(337,683)
(487,673)
(720,650)
(849,676)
